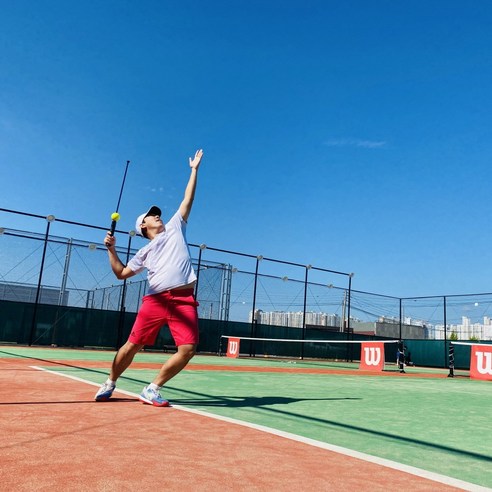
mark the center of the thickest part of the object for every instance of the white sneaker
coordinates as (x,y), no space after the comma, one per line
(104,393)
(152,397)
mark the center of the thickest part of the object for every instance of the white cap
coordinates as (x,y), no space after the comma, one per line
(154,210)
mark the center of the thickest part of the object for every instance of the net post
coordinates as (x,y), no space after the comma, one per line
(451,360)
(220,346)
(401,356)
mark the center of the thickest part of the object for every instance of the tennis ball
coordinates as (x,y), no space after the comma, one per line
(115,216)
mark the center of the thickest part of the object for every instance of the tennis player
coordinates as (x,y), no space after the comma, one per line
(170,298)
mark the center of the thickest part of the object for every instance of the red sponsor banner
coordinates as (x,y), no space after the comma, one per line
(233,347)
(372,356)
(481,362)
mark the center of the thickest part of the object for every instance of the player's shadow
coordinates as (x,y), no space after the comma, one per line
(248,401)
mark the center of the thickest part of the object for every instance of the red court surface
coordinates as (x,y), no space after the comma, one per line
(54,436)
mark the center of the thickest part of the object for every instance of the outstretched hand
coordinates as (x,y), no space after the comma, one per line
(195,162)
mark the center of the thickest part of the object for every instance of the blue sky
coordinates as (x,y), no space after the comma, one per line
(353,136)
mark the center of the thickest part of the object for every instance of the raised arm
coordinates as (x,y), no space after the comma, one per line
(121,271)
(189,196)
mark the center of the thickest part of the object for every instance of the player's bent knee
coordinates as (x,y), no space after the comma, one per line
(132,348)
(187,351)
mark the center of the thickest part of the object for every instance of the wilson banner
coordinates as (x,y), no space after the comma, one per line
(481,362)
(372,356)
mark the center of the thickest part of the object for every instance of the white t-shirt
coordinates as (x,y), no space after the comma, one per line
(166,257)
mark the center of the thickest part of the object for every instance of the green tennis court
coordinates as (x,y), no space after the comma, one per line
(422,418)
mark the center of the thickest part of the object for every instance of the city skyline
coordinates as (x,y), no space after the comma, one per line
(466,330)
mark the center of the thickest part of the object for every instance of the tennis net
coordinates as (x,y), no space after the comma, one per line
(330,350)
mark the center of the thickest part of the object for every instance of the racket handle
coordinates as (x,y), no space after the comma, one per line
(111,232)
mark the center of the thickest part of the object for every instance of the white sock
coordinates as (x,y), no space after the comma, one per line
(111,383)
(154,387)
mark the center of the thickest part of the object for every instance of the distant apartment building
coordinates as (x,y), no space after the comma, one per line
(466,330)
(295,319)
(384,326)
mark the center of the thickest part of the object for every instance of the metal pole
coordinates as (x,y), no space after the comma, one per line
(121,320)
(445,334)
(141,284)
(253,314)
(225,298)
(342,317)
(63,287)
(50,219)
(348,301)
(308,267)
(202,247)
(399,336)
(349,292)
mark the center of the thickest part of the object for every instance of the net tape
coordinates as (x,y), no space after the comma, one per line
(307,341)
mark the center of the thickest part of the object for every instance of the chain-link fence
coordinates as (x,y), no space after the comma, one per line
(43,268)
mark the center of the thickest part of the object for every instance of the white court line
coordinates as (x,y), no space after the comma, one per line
(436,477)
(471,343)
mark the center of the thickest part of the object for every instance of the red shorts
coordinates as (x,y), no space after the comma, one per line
(176,308)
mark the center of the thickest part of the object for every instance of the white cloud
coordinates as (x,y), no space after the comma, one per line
(355,142)
(159,189)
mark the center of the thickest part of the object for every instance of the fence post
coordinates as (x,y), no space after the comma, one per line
(445,334)
(349,293)
(400,315)
(308,267)
(65,272)
(253,315)
(121,319)
(49,219)
(63,289)
(198,268)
